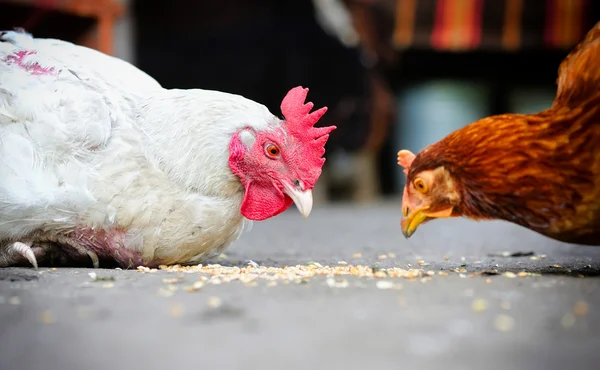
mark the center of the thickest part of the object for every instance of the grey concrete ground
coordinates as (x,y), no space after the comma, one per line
(61,320)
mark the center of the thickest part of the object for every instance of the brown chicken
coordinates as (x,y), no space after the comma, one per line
(540,171)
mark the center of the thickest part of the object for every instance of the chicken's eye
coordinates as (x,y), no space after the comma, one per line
(272,150)
(420,185)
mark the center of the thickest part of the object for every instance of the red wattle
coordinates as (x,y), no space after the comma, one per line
(262,201)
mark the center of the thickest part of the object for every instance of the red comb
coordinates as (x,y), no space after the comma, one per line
(300,123)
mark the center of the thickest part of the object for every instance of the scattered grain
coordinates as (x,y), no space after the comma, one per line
(568,320)
(194,287)
(510,275)
(504,323)
(248,275)
(176,310)
(214,302)
(380,274)
(342,263)
(382,256)
(479,305)
(95,277)
(384,284)
(580,309)
(47,318)
(337,283)
(357,255)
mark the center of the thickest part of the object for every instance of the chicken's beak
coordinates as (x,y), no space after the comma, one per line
(302,198)
(410,223)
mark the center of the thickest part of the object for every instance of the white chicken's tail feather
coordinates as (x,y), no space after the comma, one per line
(18,37)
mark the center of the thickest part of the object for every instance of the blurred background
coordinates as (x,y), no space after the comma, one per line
(395,73)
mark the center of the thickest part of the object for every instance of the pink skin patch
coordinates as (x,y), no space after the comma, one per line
(33,67)
(108,244)
(297,162)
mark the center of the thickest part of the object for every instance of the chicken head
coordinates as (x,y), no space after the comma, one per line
(427,195)
(279,167)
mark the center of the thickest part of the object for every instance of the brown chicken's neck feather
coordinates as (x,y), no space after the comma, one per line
(532,170)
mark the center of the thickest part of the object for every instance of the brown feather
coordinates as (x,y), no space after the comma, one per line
(579,72)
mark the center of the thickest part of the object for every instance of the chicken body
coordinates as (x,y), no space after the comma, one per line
(541,171)
(99,160)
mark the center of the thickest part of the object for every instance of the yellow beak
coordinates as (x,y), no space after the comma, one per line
(410,223)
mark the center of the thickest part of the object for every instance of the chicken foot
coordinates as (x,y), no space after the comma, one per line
(44,251)
(69,248)
(24,250)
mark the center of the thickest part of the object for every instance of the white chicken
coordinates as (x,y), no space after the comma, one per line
(98,160)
